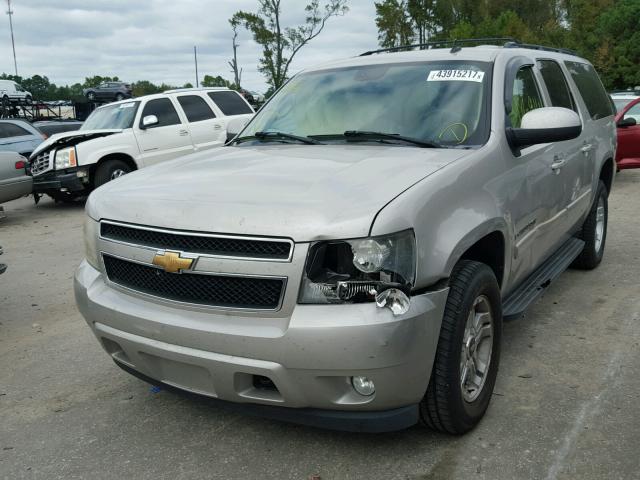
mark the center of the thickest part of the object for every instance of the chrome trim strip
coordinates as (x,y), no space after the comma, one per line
(199,234)
(118,286)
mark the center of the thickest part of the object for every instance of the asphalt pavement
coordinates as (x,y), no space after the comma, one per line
(565,404)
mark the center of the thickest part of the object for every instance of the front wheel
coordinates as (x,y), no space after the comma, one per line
(110,170)
(28,100)
(466,363)
(119,97)
(594,231)
(91,96)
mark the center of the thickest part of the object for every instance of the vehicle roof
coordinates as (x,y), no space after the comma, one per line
(166,93)
(196,89)
(481,53)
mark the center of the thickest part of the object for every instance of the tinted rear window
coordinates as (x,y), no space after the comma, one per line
(231,103)
(195,108)
(556,84)
(590,87)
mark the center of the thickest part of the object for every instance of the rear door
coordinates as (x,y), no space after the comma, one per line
(233,106)
(166,140)
(572,161)
(598,130)
(207,131)
(629,137)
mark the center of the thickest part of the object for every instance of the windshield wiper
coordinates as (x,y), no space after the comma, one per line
(389,136)
(279,136)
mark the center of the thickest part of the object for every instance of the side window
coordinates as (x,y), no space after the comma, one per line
(591,89)
(164,110)
(11,130)
(556,84)
(3,133)
(231,103)
(526,96)
(195,108)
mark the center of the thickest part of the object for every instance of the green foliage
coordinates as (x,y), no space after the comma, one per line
(281,44)
(394,23)
(606,32)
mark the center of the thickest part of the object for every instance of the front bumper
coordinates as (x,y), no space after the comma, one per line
(56,181)
(309,356)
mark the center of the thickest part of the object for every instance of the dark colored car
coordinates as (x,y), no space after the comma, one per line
(51,127)
(628,122)
(108,91)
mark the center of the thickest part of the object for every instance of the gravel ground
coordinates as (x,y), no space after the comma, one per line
(565,405)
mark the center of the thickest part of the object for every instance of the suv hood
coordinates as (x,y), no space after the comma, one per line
(67,139)
(301,192)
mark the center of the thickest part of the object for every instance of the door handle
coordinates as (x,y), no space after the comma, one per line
(557,164)
(183,133)
(586,148)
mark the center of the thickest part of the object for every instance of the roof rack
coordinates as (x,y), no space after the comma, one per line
(540,47)
(457,44)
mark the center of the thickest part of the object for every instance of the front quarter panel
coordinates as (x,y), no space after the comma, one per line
(450,211)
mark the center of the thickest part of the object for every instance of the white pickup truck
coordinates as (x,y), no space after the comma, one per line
(124,136)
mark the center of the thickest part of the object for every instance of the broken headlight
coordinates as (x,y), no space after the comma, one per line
(339,271)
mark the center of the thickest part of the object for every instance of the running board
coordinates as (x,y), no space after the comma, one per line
(517,302)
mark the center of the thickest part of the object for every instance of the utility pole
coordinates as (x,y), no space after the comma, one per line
(13,45)
(195,58)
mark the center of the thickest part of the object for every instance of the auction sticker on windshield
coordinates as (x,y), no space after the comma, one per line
(127,105)
(461,75)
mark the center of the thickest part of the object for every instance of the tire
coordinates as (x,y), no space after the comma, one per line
(91,96)
(28,100)
(6,103)
(119,97)
(446,406)
(594,231)
(110,170)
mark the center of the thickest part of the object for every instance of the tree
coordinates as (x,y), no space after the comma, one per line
(394,24)
(281,44)
(233,63)
(217,81)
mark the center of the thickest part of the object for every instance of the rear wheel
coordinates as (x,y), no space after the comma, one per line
(466,362)
(110,170)
(91,96)
(119,97)
(594,231)
(6,103)
(28,100)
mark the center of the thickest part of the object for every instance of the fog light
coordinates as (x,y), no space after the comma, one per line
(363,386)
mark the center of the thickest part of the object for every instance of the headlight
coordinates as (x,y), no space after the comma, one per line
(358,270)
(66,158)
(91,231)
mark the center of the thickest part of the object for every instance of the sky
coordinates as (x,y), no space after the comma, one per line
(68,40)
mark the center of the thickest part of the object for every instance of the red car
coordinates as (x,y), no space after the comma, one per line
(628,122)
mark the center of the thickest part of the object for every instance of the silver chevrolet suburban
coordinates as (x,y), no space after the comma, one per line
(348,259)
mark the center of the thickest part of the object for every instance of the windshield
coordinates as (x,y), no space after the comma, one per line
(116,116)
(439,102)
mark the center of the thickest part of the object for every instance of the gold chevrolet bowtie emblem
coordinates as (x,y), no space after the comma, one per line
(172,262)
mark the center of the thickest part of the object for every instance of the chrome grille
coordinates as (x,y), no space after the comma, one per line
(259,293)
(41,164)
(192,242)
